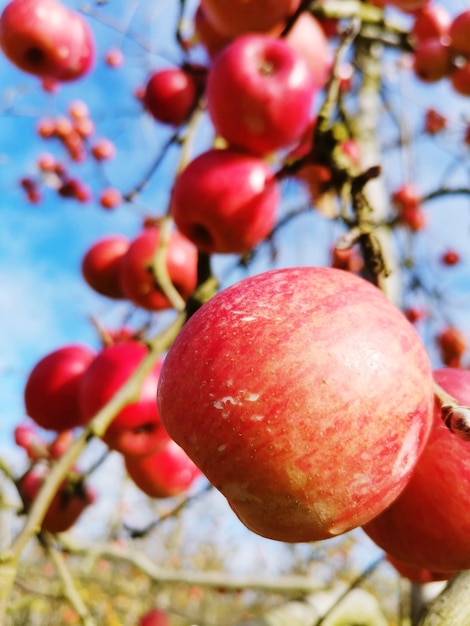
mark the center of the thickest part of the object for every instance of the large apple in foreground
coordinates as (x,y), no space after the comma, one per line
(429,524)
(260,93)
(47,39)
(304,395)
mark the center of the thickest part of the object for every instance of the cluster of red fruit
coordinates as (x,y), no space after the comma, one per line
(116,267)
(441,43)
(64,390)
(75,133)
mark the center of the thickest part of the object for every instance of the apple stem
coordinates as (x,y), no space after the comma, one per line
(454,416)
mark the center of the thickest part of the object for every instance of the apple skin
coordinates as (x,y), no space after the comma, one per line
(232,18)
(155,617)
(52,388)
(137,280)
(459,33)
(163,474)
(101,265)
(65,507)
(428,524)
(304,395)
(136,429)
(260,93)
(47,39)
(308,38)
(170,95)
(225,201)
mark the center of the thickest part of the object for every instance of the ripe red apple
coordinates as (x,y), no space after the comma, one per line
(460,79)
(163,474)
(428,524)
(170,95)
(408,6)
(308,38)
(260,93)
(452,345)
(225,201)
(67,505)
(207,34)
(136,429)
(431,21)
(27,437)
(304,395)
(155,617)
(52,388)
(236,17)
(136,275)
(459,33)
(432,60)
(101,265)
(47,39)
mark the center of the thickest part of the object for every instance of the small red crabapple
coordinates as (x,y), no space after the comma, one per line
(114,57)
(450,257)
(103,149)
(110,198)
(434,122)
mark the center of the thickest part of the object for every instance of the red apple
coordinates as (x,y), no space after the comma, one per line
(304,395)
(110,198)
(225,201)
(308,38)
(452,345)
(46,38)
(432,60)
(136,429)
(155,617)
(170,95)
(236,17)
(460,79)
(459,33)
(432,21)
(428,525)
(27,437)
(260,93)
(409,6)
(52,388)
(67,505)
(207,34)
(163,474)
(101,265)
(136,275)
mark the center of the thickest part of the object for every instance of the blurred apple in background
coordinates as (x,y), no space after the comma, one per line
(225,201)
(101,265)
(136,429)
(47,39)
(52,388)
(236,17)
(137,276)
(67,505)
(163,474)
